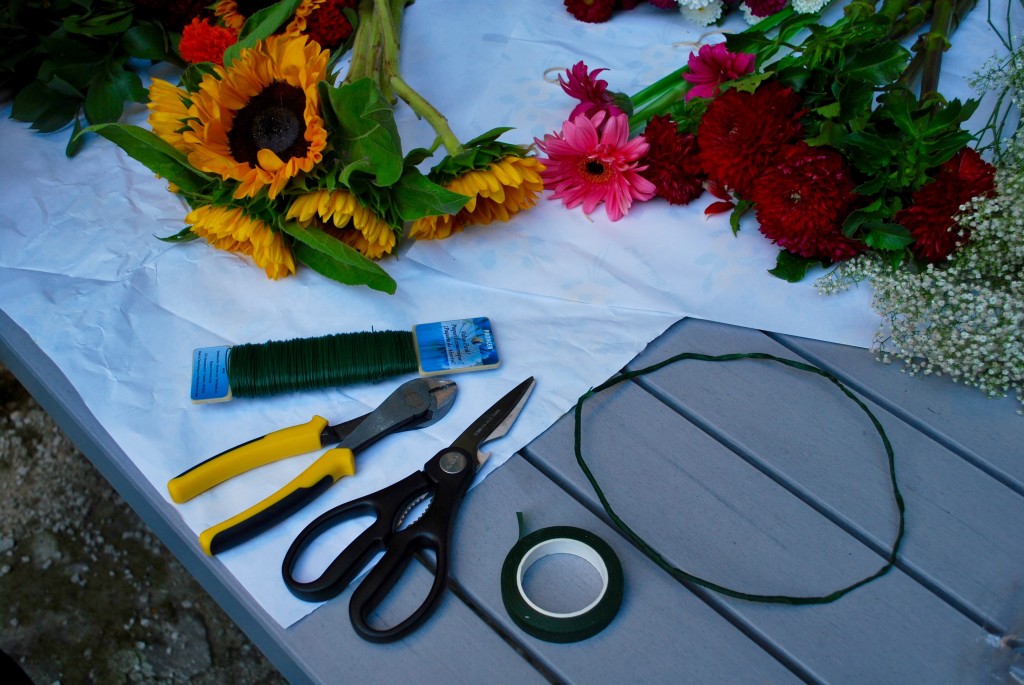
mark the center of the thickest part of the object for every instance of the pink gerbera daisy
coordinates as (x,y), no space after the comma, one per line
(593,161)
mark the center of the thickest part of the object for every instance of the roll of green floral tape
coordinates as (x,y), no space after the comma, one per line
(553,626)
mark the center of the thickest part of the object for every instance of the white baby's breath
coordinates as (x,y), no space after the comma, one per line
(963,318)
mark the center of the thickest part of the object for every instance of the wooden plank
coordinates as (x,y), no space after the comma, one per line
(986,431)
(453,646)
(799,427)
(893,630)
(662,632)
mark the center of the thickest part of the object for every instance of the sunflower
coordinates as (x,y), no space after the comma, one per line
(503,188)
(341,215)
(258,121)
(168,109)
(231,229)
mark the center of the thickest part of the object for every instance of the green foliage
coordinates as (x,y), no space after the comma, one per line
(156,154)
(260,25)
(336,260)
(69,61)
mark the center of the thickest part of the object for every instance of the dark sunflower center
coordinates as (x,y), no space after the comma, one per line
(273,120)
(247,8)
(594,167)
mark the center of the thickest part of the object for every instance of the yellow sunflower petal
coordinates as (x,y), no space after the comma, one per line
(497,193)
(279,64)
(229,228)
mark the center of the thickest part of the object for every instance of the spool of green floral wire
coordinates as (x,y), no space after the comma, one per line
(282,366)
(276,367)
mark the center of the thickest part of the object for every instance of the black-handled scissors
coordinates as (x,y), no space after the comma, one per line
(445,478)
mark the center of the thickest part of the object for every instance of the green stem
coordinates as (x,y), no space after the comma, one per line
(365,58)
(659,96)
(912,19)
(933,44)
(381,40)
(427,112)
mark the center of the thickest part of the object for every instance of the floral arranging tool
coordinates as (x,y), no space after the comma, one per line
(444,479)
(415,404)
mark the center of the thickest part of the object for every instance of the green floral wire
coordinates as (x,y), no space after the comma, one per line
(679,574)
(260,370)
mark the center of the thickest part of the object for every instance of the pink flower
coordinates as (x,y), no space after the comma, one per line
(712,66)
(593,161)
(591,91)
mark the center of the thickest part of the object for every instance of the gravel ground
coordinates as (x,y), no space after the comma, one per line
(87,593)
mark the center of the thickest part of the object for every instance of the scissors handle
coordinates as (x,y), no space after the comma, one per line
(385,506)
(450,473)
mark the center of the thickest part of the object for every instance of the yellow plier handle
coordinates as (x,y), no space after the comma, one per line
(318,477)
(280,444)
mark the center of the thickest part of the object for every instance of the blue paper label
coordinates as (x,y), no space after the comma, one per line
(210,374)
(457,345)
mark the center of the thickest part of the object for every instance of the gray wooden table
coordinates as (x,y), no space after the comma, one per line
(749,474)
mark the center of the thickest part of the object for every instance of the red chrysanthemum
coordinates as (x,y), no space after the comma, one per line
(741,133)
(802,200)
(203,42)
(672,163)
(328,25)
(591,11)
(765,8)
(930,217)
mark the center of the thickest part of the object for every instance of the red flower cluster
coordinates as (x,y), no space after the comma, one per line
(765,8)
(802,199)
(672,164)
(741,133)
(597,11)
(930,217)
(328,25)
(204,42)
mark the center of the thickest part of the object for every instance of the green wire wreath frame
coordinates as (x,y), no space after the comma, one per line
(678,573)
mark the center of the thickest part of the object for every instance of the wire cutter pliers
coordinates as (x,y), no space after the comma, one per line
(415,404)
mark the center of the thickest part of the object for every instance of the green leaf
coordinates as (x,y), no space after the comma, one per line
(193,75)
(336,260)
(260,25)
(748,83)
(75,141)
(185,235)
(888,236)
(417,197)
(369,135)
(96,25)
(108,92)
(155,153)
(879,65)
(792,268)
(45,109)
(148,41)
(742,207)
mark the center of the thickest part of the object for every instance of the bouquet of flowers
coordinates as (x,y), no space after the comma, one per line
(826,144)
(283,160)
(838,141)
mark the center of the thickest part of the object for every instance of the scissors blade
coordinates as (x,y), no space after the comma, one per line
(496,421)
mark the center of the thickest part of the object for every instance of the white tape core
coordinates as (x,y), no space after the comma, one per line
(562,546)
